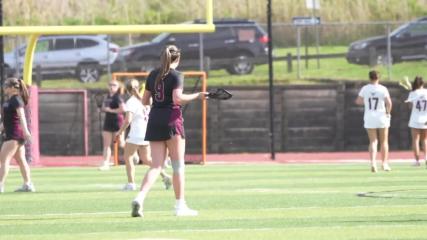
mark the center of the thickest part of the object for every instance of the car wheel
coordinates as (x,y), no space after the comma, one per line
(241,65)
(88,73)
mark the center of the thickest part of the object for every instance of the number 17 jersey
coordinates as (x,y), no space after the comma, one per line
(418,98)
(375,112)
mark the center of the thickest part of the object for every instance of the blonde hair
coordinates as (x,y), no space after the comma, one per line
(120,89)
(129,85)
(169,55)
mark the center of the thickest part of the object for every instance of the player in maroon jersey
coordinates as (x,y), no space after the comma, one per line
(165,128)
(113,107)
(16,133)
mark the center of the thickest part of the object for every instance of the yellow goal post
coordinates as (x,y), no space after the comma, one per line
(33,33)
(194,74)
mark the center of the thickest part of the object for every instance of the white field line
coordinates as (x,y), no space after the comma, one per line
(264,210)
(339,227)
(305,162)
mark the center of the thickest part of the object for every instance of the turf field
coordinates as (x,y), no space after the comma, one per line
(312,201)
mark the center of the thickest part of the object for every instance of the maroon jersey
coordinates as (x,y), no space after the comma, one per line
(113,121)
(11,122)
(165,118)
(162,93)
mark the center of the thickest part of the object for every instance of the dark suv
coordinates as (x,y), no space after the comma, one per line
(236,45)
(408,42)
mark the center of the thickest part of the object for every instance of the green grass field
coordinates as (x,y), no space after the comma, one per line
(316,201)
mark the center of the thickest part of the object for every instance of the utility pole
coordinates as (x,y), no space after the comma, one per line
(316,29)
(270,78)
(2,73)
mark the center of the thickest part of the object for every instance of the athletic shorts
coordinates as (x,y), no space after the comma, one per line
(164,123)
(20,140)
(137,141)
(111,126)
(382,121)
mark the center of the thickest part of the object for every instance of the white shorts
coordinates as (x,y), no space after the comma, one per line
(382,121)
(137,141)
(417,125)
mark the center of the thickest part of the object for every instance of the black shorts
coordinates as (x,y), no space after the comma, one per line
(164,123)
(20,140)
(111,126)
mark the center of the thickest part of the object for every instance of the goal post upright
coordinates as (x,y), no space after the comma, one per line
(33,32)
(203,76)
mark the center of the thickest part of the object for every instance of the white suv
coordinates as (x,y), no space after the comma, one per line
(82,56)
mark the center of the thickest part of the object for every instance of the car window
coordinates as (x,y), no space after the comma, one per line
(418,29)
(219,34)
(84,43)
(399,30)
(185,37)
(160,37)
(246,34)
(64,44)
(42,46)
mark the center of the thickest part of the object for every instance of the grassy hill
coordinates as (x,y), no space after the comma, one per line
(69,12)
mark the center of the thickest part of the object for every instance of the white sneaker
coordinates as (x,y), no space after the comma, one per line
(185,211)
(1,188)
(136,209)
(416,164)
(374,169)
(129,187)
(26,188)
(104,167)
(167,181)
(386,167)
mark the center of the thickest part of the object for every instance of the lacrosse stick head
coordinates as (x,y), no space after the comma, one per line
(220,94)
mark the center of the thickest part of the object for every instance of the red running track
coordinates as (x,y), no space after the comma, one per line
(242,158)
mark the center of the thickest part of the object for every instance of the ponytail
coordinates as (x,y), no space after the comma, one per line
(169,55)
(417,83)
(129,86)
(23,91)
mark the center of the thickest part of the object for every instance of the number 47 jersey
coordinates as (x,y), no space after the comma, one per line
(418,98)
(375,112)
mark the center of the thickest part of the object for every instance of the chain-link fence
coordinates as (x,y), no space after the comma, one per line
(336,51)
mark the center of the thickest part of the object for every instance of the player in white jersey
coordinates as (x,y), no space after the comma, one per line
(418,121)
(137,118)
(376,100)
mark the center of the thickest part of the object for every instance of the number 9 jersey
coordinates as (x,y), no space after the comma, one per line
(418,98)
(375,115)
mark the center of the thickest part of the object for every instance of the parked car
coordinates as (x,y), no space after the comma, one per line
(82,56)
(236,46)
(408,42)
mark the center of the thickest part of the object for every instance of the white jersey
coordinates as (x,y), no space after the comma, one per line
(418,98)
(374,96)
(138,126)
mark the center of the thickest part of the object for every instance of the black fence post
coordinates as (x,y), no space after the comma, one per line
(207,65)
(38,75)
(289,62)
(340,117)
